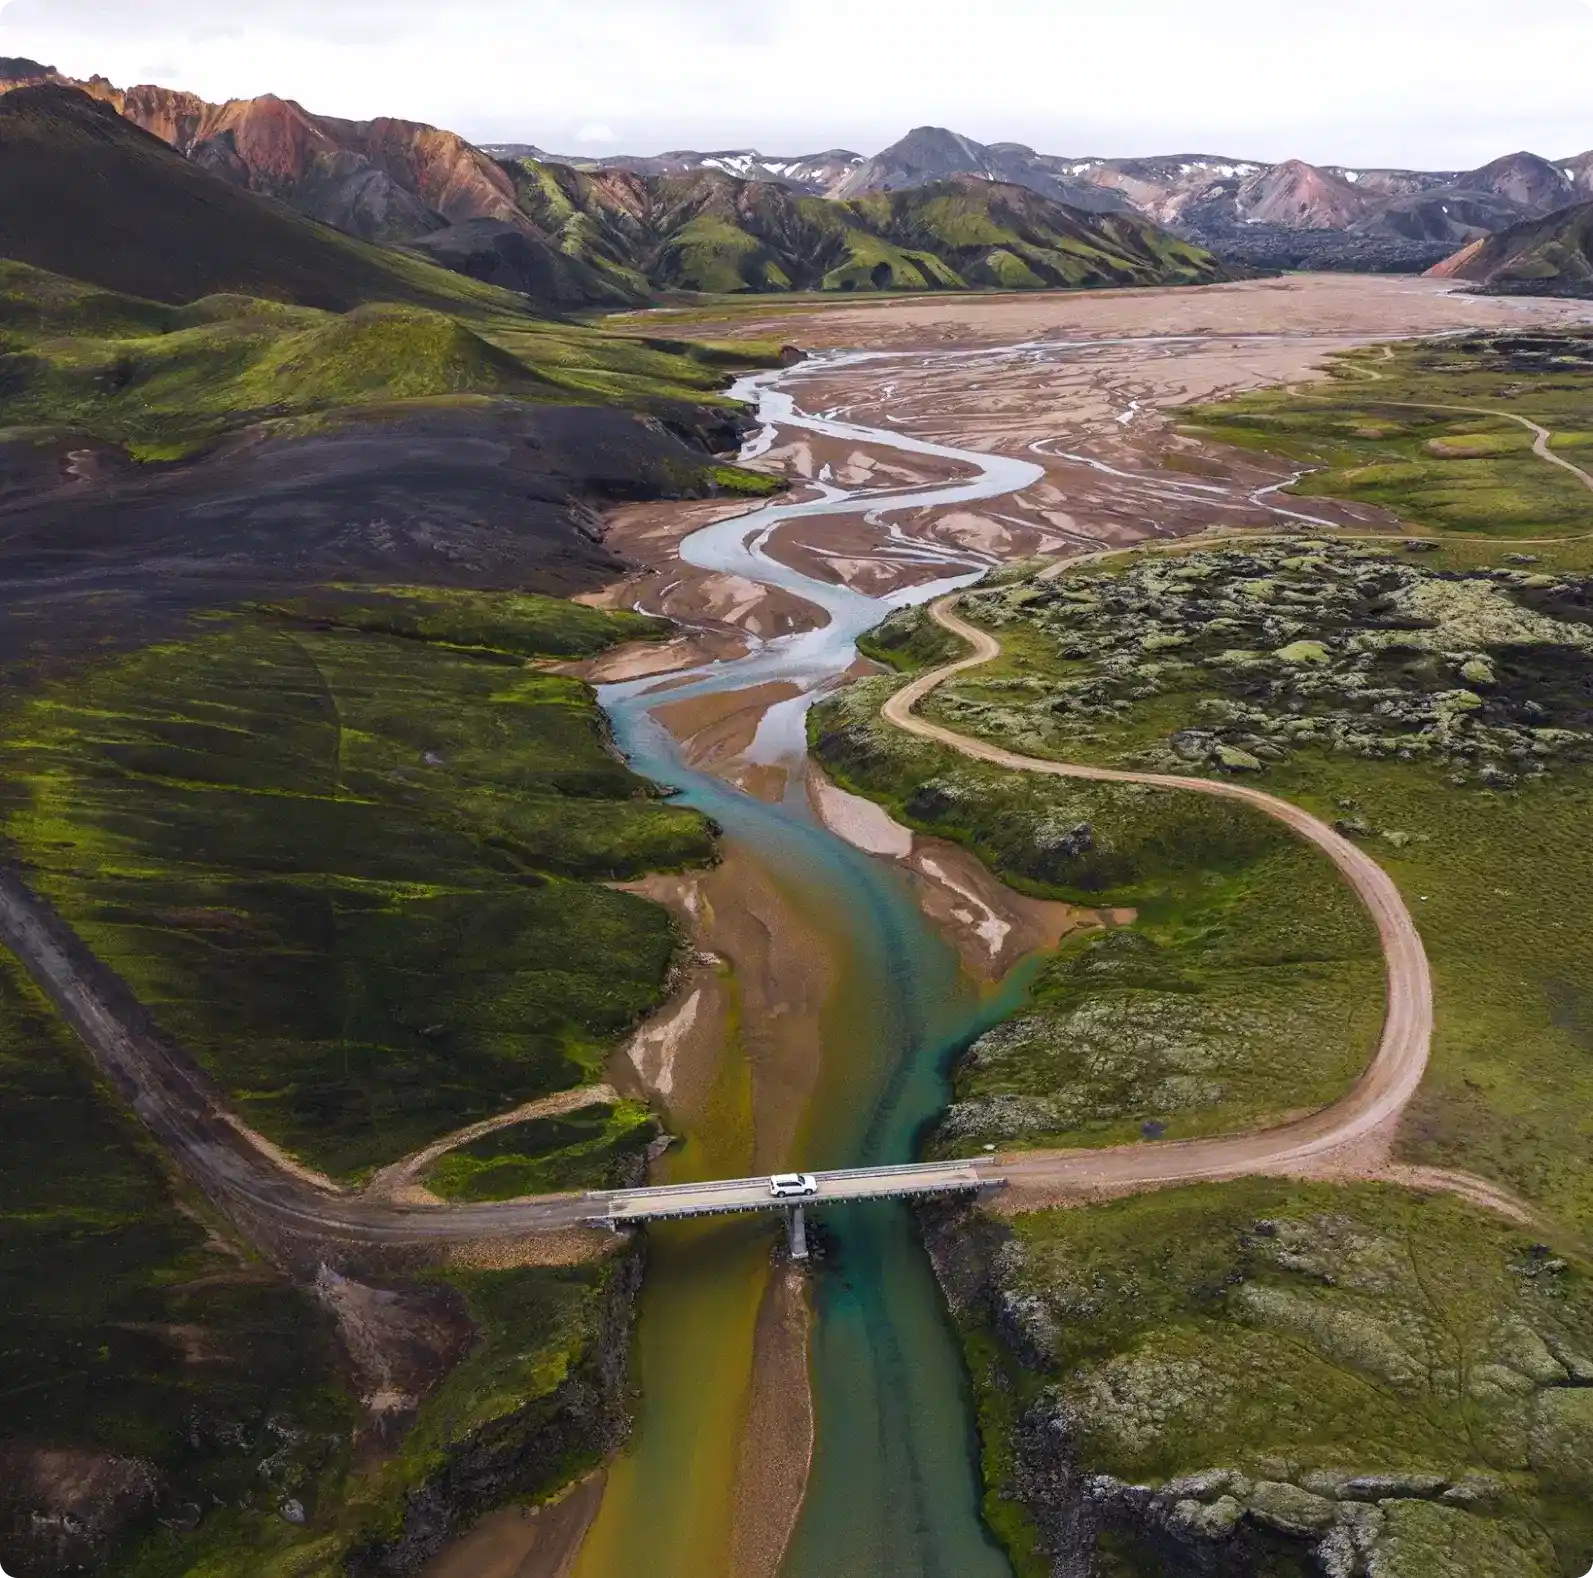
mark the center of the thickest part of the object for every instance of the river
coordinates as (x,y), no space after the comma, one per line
(894,1490)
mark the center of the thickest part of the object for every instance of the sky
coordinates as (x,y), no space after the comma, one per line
(1436,84)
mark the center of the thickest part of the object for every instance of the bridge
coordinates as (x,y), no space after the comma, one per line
(619,1208)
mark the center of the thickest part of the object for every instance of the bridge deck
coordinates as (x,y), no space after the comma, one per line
(734,1195)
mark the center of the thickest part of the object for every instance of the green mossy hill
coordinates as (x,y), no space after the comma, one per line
(173,1407)
(1552,256)
(908,641)
(1245,657)
(1249,986)
(1472,789)
(1446,470)
(500,625)
(355,861)
(712,233)
(132,1336)
(162,380)
(603,1146)
(87,194)
(1303,1379)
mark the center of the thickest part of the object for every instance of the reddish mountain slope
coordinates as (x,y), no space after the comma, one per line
(85,193)
(1523,180)
(383,180)
(1301,197)
(1552,256)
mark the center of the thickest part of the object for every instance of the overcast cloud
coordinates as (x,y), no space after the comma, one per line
(1435,83)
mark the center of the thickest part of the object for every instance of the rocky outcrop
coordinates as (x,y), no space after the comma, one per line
(526,1454)
(1327,1516)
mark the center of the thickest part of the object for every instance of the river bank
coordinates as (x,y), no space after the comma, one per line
(892,514)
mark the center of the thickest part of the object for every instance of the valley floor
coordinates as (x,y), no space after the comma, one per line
(1103,417)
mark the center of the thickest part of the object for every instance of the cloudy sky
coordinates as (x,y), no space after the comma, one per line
(1436,83)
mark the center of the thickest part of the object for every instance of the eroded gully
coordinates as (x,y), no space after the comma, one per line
(894,1489)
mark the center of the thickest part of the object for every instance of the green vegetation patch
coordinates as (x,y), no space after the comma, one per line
(1481,819)
(179,1372)
(164,380)
(1282,1361)
(603,1146)
(190,1410)
(706,232)
(1242,657)
(1385,431)
(908,641)
(352,854)
(1248,988)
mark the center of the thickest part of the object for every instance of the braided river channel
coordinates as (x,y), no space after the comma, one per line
(894,1487)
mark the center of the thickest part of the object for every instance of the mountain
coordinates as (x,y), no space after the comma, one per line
(931,153)
(383,180)
(713,232)
(472,210)
(86,193)
(1523,179)
(1163,188)
(1299,196)
(1277,215)
(817,174)
(1552,256)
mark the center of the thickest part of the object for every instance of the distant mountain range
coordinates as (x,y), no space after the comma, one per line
(569,238)
(816,174)
(574,231)
(708,231)
(1279,214)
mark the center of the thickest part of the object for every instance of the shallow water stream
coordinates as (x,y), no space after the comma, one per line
(894,1490)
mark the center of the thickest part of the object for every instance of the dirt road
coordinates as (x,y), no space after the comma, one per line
(1372,1109)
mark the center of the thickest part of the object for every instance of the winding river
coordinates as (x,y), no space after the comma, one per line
(894,1489)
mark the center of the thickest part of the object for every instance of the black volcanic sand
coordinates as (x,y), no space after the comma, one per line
(94,549)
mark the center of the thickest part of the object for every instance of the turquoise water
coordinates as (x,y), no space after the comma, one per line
(895,1487)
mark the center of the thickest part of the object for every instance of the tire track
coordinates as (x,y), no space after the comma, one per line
(1332,1142)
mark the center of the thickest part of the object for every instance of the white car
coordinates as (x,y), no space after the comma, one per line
(785,1186)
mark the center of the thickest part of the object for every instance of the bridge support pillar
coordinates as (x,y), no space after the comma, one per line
(797,1227)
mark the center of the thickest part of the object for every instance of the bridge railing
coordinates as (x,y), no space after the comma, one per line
(841,1175)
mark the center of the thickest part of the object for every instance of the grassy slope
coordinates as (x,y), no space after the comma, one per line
(366,947)
(162,380)
(711,233)
(344,851)
(1446,471)
(132,1327)
(103,1273)
(1217,1008)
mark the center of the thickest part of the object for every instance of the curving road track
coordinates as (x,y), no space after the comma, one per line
(1367,1113)
(300,1219)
